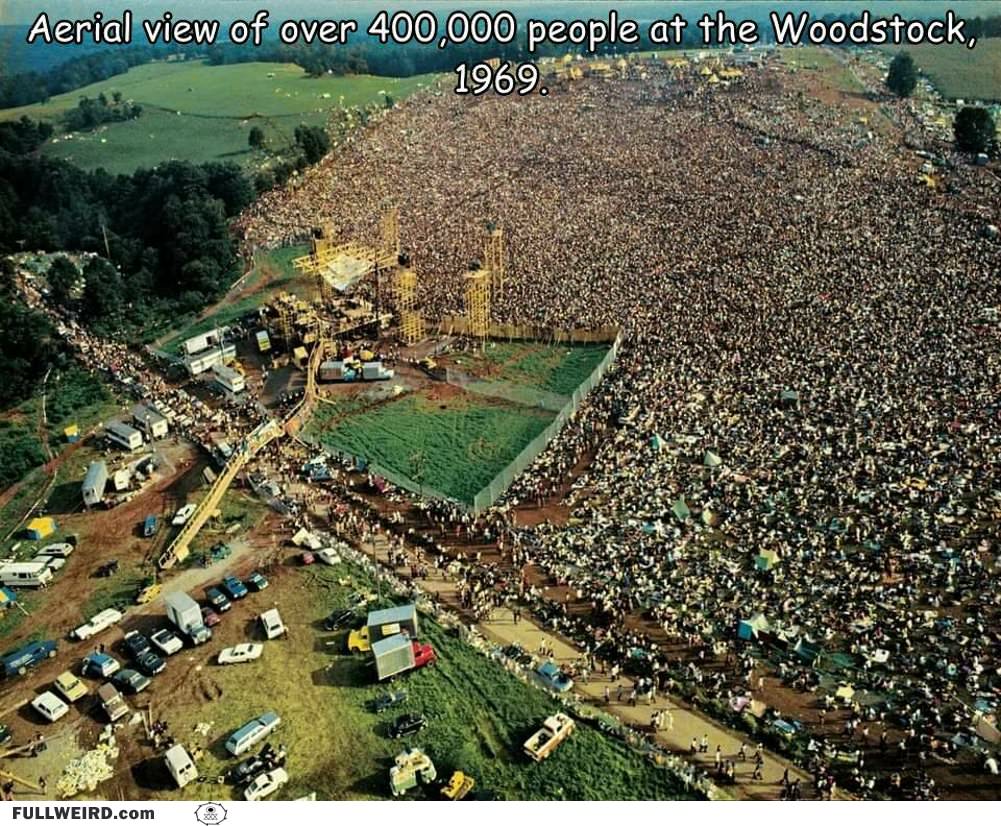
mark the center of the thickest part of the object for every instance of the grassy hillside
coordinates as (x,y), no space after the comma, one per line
(201,113)
(958,72)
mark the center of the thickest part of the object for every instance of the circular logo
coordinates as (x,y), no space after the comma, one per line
(210,813)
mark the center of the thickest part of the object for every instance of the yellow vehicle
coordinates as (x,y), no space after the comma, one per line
(70,687)
(148,593)
(458,786)
(358,640)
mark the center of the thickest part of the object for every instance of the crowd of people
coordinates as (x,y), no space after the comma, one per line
(794,464)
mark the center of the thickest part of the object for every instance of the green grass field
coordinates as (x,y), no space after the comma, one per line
(555,369)
(462,441)
(202,113)
(961,73)
(479,715)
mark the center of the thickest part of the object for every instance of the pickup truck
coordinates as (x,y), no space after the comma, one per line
(555,730)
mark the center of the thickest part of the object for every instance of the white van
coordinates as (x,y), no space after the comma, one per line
(26,574)
(180,765)
(271,622)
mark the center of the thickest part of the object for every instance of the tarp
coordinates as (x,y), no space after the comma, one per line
(41,527)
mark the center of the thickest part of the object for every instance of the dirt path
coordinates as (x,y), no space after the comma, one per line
(686,723)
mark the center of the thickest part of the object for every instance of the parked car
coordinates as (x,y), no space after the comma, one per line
(243,653)
(265,760)
(147,593)
(150,663)
(70,687)
(183,515)
(267,784)
(167,641)
(60,549)
(553,678)
(210,618)
(257,581)
(130,681)
(328,556)
(150,525)
(135,643)
(387,700)
(252,733)
(218,600)
(407,724)
(50,706)
(99,665)
(233,587)
(338,619)
(28,656)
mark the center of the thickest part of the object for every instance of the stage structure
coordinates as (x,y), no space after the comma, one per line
(411,319)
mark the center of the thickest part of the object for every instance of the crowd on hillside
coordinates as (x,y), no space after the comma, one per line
(800,443)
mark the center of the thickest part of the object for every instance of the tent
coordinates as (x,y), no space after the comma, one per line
(656,442)
(766,560)
(7,598)
(41,527)
(711,459)
(680,509)
(71,433)
(807,651)
(748,629)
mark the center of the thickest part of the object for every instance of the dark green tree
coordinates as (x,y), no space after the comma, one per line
(62,277)
(313,142)
(256,138)
(902,79)
(974,129)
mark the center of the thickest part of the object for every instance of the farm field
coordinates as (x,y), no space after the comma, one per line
(479,715)
(459,440)
(961,73)
(201,113)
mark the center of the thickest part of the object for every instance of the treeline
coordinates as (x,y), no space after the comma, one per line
(162,234)
(20,137)
(92,112)
(981,27)
(35,87)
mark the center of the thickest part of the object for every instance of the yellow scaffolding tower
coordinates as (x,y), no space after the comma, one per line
(493,258)
(478,302)
(411,319)
(285,329)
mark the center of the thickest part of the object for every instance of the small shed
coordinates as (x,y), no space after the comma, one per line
(41,527)
(390,621)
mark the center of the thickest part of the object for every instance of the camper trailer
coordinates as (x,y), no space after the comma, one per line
(25,574)
(150,421)
(124,436)
(94,484)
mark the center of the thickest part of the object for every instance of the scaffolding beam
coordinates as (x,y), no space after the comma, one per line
(411,319)
(493,259)
(478,302)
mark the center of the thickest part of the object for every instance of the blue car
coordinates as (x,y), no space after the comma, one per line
(218,600)
(28,656)
(234,588)
(553,678)
(99,665)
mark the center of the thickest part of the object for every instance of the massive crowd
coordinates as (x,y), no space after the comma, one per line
(803,427)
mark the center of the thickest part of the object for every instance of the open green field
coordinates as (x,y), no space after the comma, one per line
(479,715)
(961,73)
(201,113)
(553,368)
(272,273)
(459,441)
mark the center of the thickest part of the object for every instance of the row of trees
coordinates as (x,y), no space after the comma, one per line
(92,112)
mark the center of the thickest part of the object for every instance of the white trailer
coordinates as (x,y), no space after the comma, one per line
(150,421)
(26,574)
(94,484)
(229,379)
(123,435)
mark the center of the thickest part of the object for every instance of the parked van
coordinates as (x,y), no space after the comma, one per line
(272,623)
(180,765)
(28,656)
(25,574)
(248,736)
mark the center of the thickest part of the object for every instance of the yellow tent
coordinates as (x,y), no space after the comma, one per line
(41,527)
